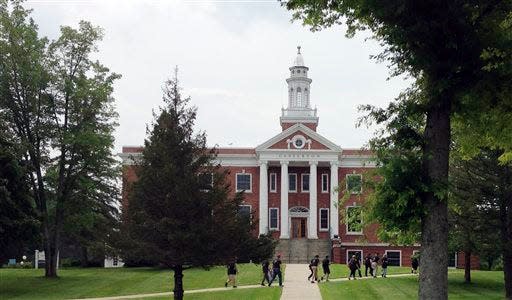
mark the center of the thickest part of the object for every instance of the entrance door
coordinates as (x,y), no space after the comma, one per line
(299,228)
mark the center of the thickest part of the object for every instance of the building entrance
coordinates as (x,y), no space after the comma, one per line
(299,227)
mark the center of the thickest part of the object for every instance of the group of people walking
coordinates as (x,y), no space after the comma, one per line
(269,274)
(371,263)
(272,270)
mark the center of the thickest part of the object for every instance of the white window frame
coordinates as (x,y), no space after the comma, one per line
(250,182)
(320,219)
(272,190)
(400,251)
(346,225)
(346,184)
(270,219)
(325,178)
(294,175)
(354,250)
(302,182)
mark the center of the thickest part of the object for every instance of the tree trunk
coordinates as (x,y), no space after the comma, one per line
(467,266)
(434,223)
(84,260)
(178,282)
(506,232)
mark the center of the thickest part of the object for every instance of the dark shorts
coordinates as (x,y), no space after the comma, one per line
(326,270)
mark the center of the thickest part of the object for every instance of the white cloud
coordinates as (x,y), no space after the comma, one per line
(233,59)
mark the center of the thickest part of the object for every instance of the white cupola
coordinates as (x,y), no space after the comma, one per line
(299,105)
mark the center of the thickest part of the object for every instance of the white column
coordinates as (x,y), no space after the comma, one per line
(313,211)
(285,230)
(263,197)
(335,216)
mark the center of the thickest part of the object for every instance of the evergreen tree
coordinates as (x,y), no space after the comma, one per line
(181,212)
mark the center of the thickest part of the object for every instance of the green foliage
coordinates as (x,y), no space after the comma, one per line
(172,218)
(58,103)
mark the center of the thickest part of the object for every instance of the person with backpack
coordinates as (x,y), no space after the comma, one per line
(265,268)
(326,268)
(384,265)
(368,265)
(232,271)
(276,271)
(352,265)
(314,267)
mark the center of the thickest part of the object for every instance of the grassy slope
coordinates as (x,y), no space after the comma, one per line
(76,283)
(486,285)
(232,294)
(339,271)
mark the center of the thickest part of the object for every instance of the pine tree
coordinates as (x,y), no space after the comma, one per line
(181,213)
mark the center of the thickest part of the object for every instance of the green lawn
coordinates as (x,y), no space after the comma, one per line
(340,271)
(486,285)
(99,282)
(273,293)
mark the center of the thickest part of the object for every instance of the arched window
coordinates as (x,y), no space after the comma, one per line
(299,97)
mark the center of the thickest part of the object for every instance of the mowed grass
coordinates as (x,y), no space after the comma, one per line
(99,282)
(342,271)
(486,285)
(262,293)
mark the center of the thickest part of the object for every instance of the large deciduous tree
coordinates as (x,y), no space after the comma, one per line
(181,212)
(451,48)
(58,102)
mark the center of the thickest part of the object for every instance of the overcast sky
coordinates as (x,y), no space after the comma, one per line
(233,59)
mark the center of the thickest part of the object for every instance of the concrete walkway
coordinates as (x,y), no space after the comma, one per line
(296,285)
(138,296)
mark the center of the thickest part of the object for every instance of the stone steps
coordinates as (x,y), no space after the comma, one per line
(302,250)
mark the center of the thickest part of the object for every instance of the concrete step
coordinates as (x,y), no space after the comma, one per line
(302,250)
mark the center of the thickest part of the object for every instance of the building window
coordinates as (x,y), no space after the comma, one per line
(243,182)
(273,182)
(273,218)
(324,219)
(325,183)
(394,257)
(354,183)
(305,183)
(244,211)
(354,220)
(357,253)
(292,182)
(205,181)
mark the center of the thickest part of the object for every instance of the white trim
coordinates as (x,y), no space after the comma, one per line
(354,250)
(302,183)
(270,218)
(322,182)
(346,183)
(346,225)
(250,182)
(320,219)
(296,187)
(386,252)
(274,190)
(250,208)
(287,132)
(350,244)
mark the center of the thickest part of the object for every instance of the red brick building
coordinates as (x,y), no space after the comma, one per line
(291,184)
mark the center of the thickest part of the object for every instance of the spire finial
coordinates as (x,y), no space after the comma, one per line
(298,49)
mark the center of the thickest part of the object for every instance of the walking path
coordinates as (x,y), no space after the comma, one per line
(296,285)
